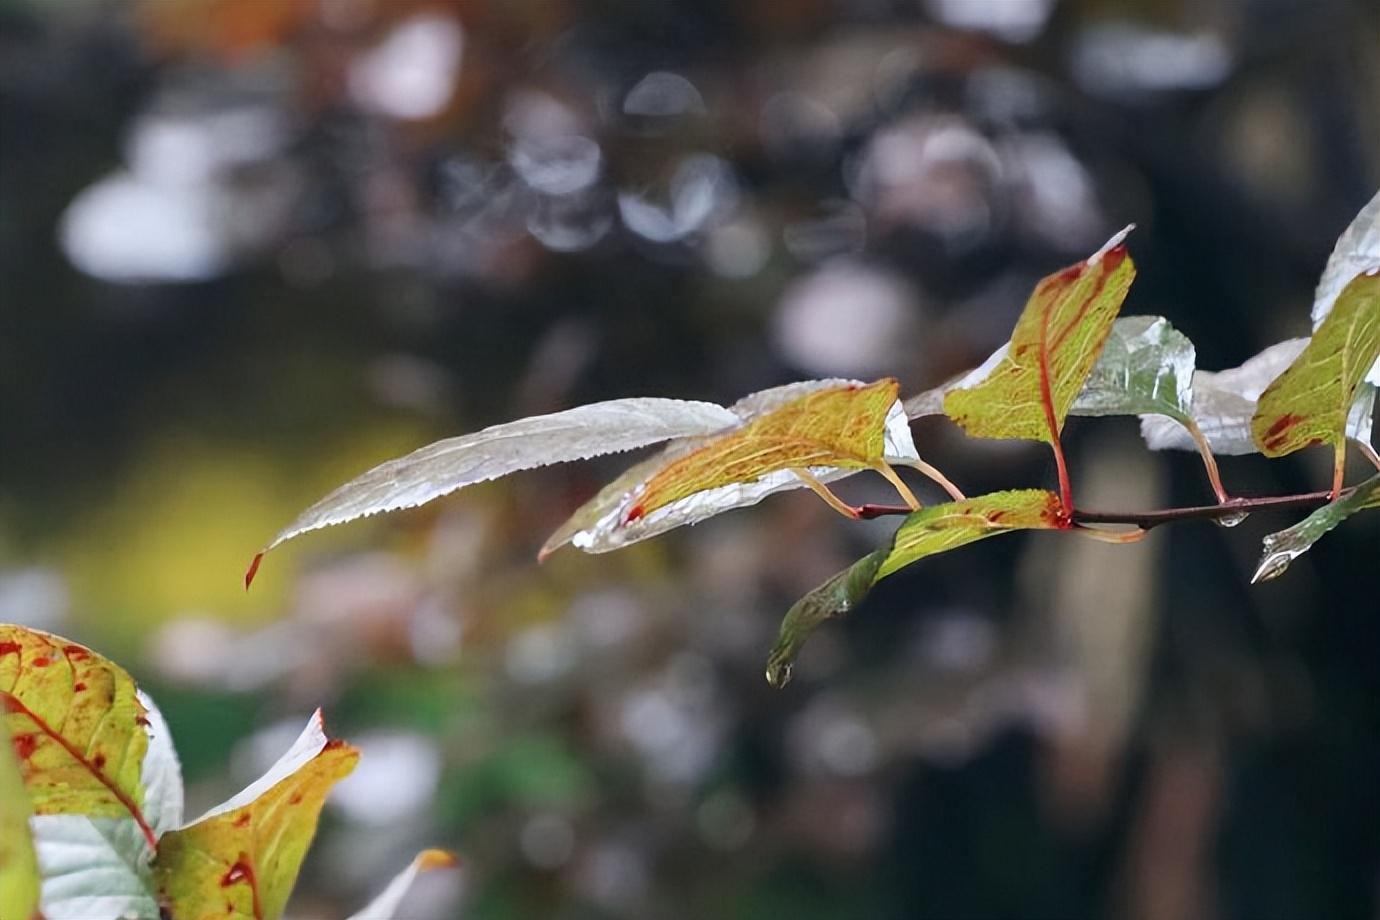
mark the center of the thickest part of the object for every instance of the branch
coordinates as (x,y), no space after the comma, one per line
(1147,519)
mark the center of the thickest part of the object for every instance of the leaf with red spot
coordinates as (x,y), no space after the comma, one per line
(932,530)
(240,860)
(77,725)
(1309,403)
(832,428)
(18,863)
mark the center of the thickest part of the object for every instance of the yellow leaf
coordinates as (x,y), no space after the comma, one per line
(841,427)
(241,860)
(77,726)
(18,864)
(1309,402)
(1054,346)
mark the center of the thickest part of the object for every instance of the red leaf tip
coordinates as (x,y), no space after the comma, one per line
(252,570)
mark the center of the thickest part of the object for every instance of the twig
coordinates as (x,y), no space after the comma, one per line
(1147,519)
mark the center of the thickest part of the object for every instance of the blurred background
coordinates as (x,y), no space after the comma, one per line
(249,248)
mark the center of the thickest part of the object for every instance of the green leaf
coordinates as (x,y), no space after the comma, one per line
(932,530)
(445,466)
(1309,403)
(385,906)
(240,860)
(18,863)
(1056,342)
(606,521)
(1357,251)
(77,724)
(1284,547)
(1146,368)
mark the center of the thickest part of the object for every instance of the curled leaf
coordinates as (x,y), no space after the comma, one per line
(932,530)
(879,434)
(445,466)
(240,860)
(385,906)
(1282,548)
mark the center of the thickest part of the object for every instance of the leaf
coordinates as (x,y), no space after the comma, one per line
(606,523)
(101,867)
(77,724)
(839,427)
(445,466)
(1357,251)
(241,859)
(1055,344)
(1309,403)
(1223,403)
(385,906)
(18,864)
(1284,547)
(1146,368)
(94,867)
(932,530)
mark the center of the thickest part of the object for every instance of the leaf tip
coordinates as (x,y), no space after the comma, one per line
(436,859)
(778,673)
(1117,241)
(253,570)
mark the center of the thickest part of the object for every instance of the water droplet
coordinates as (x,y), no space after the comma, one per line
(1231,520)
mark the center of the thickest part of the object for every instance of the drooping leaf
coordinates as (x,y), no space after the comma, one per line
(606,522)
(78,727)
(1309,403)
(101,867)
(445,466)
(932,530)
(1284,547)
(1056,342)
(1357,251)
(240,860)
(385,906)
(18,864)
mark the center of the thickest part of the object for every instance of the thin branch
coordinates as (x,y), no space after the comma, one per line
(1147,519)
(1230,508)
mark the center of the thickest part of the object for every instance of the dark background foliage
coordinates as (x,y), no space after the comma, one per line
(250,247)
